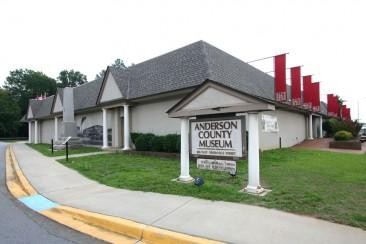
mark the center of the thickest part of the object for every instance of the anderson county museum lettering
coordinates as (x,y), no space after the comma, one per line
(217,138)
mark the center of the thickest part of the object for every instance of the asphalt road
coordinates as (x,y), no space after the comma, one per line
(18,224)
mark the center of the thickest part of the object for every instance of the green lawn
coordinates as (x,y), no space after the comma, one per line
(45,149)
(326,185)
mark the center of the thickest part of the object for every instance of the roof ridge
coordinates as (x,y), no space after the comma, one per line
(86,83)
(166,53)
(206,59)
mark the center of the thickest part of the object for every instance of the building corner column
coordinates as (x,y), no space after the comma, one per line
(29,131)
(126,127)
(36,131)
(56,129)
(184,151)
(311,127)
(105,129)
(253,155)
(321,127)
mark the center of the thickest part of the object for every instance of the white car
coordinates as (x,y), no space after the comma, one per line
(363,134)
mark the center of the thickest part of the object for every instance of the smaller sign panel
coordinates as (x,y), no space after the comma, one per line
(269,123)
(218,165)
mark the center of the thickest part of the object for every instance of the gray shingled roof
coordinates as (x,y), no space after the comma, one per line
(85,96)
(41,108)
(186,67)
(190,66)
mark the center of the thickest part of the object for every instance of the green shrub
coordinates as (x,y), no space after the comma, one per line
(144,142)
(170,143)
(343,135)
(134,137)
(178,144)
(157,144)
(150,142)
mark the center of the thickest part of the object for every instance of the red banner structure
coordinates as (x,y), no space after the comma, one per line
(344,112)
(280,77)
(296,85)
(330,105)
(333,105)
(336,106)
(307,90)
(315,96)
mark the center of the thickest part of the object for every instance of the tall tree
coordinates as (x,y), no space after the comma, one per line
(9,115)
(23,84)
(117,63)
(70,78)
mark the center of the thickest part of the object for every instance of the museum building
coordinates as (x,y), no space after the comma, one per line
(155,96)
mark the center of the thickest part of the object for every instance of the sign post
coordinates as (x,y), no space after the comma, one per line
(66,143)
(253,156)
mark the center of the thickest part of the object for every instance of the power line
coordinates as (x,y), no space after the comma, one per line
(263,58)
(272,71)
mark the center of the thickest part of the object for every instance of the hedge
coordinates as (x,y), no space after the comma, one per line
(150,142)
(343,136)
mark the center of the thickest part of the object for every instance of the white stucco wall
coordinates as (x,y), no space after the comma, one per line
(151,117)
(47,131)
(292,130)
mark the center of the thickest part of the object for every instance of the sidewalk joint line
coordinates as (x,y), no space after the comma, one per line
(172,211)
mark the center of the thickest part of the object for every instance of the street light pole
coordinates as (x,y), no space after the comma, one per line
(358,108)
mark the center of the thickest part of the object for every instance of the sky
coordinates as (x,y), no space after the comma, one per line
(327,37)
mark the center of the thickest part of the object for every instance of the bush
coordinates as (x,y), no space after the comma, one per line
(157,144)
(170,143)
(343,135)
(134,137)
(332,126)
(144,142)
(150,142)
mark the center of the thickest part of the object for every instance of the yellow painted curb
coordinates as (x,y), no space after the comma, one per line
(156,235)
(19,173)
(15,180)
(107,228)
(95,231)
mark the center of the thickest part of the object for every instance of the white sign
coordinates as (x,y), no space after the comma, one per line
(219,165)
(66,140)
(269,123)
(217,138)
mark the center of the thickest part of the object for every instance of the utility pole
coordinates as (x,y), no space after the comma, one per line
(358,108)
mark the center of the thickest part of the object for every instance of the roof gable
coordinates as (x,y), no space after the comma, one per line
(57,107)
(110,90)
(215,98)
(212,97)
(30,112)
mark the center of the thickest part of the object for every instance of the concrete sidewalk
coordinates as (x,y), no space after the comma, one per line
(228,222)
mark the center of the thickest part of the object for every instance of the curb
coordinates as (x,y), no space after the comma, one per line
(107,228)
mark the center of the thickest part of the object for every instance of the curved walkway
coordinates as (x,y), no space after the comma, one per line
(223,221)
(323,144)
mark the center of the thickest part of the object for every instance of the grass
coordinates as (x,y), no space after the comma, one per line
(326,185)
(45,149)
